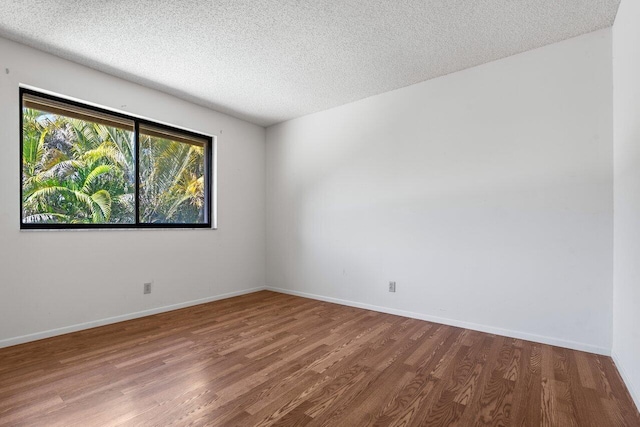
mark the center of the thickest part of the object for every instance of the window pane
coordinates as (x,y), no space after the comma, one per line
(77,165)
(172,177)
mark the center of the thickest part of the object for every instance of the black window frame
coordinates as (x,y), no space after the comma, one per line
(209,179)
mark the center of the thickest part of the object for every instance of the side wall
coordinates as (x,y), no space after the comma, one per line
(54,282)
(485,194)
(626,113)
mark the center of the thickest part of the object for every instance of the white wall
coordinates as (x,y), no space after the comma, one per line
(486,194)
(51,280)
(626,109)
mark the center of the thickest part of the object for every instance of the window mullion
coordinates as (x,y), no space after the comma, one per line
(136,138)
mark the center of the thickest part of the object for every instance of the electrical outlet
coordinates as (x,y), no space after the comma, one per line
(147,288)
(392,286)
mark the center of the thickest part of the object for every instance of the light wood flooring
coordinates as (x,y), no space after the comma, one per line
(272,359)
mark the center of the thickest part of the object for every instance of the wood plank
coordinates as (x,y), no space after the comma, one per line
(268,359)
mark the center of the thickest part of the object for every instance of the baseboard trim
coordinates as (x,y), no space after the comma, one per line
(589,348)
(635,395)
(436,319)
(109,320)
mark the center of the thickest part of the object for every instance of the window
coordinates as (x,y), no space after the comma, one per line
(86,167)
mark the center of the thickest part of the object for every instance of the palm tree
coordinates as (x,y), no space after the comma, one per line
(172,181)
(75,171)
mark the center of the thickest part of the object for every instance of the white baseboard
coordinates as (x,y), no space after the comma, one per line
(436,319)
(635,395)
(109,320)
(458,323)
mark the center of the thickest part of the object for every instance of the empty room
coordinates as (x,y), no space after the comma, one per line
(320,213)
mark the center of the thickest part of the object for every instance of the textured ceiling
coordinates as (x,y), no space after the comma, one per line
(267,61)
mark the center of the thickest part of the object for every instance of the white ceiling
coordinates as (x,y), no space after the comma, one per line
(267,61)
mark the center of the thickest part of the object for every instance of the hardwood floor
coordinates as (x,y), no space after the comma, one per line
(272,359)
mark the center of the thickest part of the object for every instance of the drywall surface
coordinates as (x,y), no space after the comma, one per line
(626,131)
(66,280)
(485,194)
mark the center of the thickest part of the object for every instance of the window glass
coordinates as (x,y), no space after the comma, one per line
(172,177)
(76,167)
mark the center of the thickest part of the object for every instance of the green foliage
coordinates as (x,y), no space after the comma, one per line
(172,181)
(76,172)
